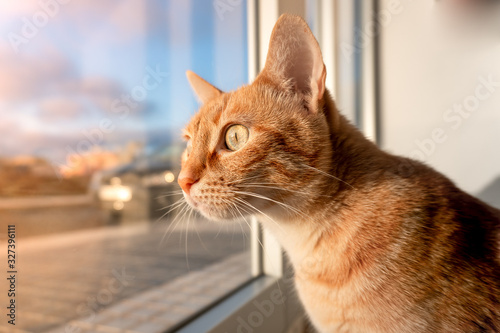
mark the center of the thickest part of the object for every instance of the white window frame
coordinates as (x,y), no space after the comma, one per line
(268,262)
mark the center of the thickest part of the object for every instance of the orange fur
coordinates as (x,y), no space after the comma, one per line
(379,243)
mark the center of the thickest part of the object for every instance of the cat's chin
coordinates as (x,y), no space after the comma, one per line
(220,219)
(211,212)
(216,215)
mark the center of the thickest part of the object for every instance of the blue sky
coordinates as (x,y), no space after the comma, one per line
(62,82)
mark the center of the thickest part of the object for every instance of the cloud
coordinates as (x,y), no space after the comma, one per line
(28,76)
(130,18)
(100,91)
(59,108)
(9,8)
(57,85)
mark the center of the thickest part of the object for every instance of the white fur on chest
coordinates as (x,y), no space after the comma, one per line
(330,310)
(352,309)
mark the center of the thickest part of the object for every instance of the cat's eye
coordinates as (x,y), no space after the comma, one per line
(236,137)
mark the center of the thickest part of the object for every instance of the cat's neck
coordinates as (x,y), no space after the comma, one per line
(354,159)
(354,163)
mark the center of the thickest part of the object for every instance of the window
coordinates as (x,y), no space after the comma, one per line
(92,99)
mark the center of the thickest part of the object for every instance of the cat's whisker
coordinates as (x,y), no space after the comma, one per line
(218,231)
(328,175)
(172,226)
(174,223)
(265,185)
(282,204)
(186,238)
(177,204)
(258,240)
(236,219)
(259,211)
(195,214)
(233,209)
(171,206)
(246,221)
(240,224)
(183,219)
(244,179)
(169,194)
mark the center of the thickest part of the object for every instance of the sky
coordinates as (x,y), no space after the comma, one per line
(110,71)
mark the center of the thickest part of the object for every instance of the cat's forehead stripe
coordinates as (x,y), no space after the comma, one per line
(216,117)
(221,108)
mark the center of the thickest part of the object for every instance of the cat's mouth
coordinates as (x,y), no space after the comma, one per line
(230,203)
(211,208)
(190,200)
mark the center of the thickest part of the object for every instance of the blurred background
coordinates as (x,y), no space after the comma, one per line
(100,85)
(93,97)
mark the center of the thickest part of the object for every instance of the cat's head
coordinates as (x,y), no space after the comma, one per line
(258,149)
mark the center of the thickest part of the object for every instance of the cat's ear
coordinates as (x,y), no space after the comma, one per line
(294,60)
(204,90)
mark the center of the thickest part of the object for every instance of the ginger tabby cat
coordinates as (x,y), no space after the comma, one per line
(379,243)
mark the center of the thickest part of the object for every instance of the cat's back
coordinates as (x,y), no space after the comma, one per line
(450,252)
(414,254)
(458,237)
(471,226)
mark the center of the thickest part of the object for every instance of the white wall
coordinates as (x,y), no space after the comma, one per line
(434,55)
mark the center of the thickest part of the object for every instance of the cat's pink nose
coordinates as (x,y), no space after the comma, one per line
(186,181)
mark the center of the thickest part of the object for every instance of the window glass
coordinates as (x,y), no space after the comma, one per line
(93,97)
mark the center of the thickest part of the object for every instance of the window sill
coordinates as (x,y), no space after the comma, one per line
(259,306)
(166,307)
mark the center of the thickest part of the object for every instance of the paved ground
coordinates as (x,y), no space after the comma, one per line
(81,273)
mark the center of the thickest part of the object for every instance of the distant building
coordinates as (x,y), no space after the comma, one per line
(33,165)
(99,159)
